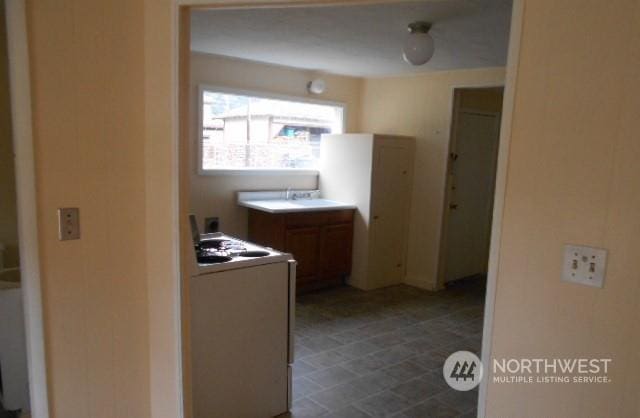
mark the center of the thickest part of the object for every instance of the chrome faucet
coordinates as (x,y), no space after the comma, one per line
(288,193)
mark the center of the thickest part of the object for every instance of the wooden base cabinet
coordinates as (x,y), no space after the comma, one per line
(321,243)
(305,244)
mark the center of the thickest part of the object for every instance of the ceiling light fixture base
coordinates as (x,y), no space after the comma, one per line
(419,27)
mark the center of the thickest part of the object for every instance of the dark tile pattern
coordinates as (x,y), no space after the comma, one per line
(380,353)
(12,414)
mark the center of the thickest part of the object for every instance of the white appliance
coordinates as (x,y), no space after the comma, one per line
(242,303)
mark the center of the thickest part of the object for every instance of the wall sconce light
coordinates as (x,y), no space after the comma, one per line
(317,86)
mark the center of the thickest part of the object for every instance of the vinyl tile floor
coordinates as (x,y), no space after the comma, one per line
(12,414)
(380,353)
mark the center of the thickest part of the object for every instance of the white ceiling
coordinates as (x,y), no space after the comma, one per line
(363,40)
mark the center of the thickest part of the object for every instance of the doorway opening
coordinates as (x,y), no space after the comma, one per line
(370,351)
(470,184)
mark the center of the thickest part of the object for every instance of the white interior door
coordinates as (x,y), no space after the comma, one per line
(389,208)
(471,183)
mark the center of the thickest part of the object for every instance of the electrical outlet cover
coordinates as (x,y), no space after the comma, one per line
(68,224)
(211,225)
(584,265)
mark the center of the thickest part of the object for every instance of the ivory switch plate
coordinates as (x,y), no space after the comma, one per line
(584,265)
(68,224)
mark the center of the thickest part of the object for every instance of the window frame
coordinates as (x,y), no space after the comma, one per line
(263,95)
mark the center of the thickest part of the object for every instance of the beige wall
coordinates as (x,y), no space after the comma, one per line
(421,106)
(92,120)
(216,195)
(88,85)
(573,177)
(8,215)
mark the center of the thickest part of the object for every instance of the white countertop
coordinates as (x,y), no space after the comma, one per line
(275,202)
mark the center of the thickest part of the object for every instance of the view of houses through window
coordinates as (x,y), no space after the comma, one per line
(241,131)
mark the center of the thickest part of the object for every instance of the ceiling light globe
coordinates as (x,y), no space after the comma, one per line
(418,48)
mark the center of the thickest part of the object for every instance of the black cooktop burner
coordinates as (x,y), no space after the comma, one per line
(254,254)
(212,258)
(213,251)
(221,244)
(220,250)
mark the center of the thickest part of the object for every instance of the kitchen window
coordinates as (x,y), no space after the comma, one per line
(253,133)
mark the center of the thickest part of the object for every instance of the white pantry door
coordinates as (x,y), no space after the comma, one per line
(389,208)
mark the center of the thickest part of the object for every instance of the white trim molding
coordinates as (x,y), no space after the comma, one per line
(513,60)
(20,91)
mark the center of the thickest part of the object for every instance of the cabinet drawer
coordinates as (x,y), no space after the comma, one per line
(304,219)
(340,216)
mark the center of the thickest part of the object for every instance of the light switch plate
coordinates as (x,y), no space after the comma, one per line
(68,224)
(584,265)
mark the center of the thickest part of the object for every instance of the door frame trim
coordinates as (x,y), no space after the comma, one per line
(21,119)
(508,106)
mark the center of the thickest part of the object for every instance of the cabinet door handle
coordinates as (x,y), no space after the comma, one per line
(375,217)
(453,206)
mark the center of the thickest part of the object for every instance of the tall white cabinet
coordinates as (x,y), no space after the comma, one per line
(375,173)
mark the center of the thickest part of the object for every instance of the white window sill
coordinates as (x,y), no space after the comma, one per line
(259,172)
